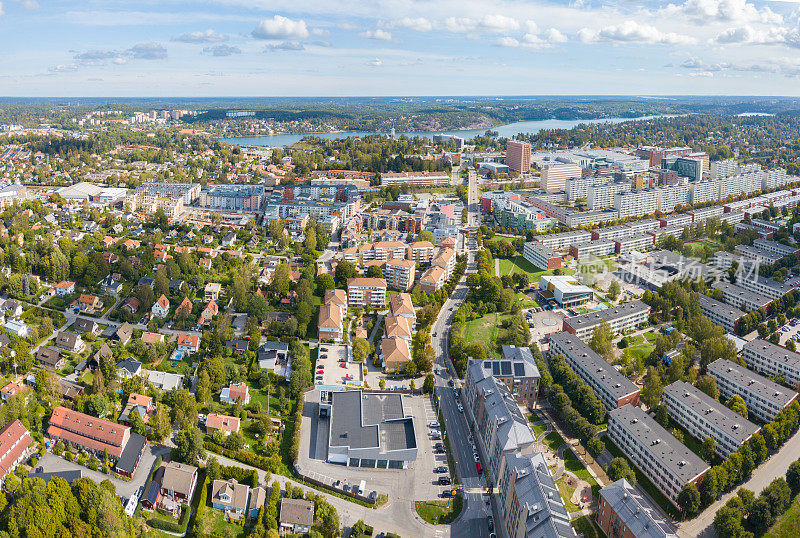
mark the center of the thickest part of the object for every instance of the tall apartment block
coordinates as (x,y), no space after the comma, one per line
(554,176)
(518,156)
(770,359)
(620,318)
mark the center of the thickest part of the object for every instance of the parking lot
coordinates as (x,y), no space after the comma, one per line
(416,482)
(790,331)
(333,368)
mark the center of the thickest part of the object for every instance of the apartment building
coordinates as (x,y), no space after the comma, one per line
(764,286)
(589,218)
(740,297)
(530,501)
(612,232)
(554,176)
(517,369)
(702,416)
(610,386)
(366,292)
(541,256)
(642,243)
(620,318)
(518,156)
(15,440)
(446,259)
(578,187)
(421,252)
(399,273)
(643,225)
(595,248)
(682,220)
(722,314)
(723,260)
(758,254)
(433,279)
(636,203)
(770,359)
(663,459)
(601,196)
(674,231)
(774,247)
(772,179)
(416,179)
(705,213)
(732,217)
(703,191)
(671,196)
(400,305)
(563,240)
(764,398)
(623,512)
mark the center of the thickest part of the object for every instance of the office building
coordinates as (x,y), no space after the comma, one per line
(565,290)
(722,314)
(663,459)
(518,156)
(764,398)
(369,430)
(541,256)
(610,386)
(702,416)
(554,176)
(366,292)
(623,511)
(771,359)
(624,317)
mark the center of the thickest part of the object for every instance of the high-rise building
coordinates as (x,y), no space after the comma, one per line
(554,176)
(518,156)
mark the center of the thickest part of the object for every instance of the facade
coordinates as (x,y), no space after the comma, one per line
(720,313)
(623,512)
(740,297)
(621,318)
(432,280)
(764,286)
(369,430)
(179,482)
(15,441)
(554,176)
(416,179)
(564,240)
(366,292)
(663,459)
(610,386)
(565,289)
(517,369)
(518,156)
(764,398)
(636,203)
(541,256)
(602,196)
(641,242)
(595,248)
(702,416)
(770,359)
(399,273)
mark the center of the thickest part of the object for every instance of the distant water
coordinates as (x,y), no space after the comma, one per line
(507,131)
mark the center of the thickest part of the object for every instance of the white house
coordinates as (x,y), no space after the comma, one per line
(161,307)
(17,326)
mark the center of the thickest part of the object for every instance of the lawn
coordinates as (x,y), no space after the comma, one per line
(787,525)
(485,330)
(584,525)
(212,521)
(641,351)
(521,265)
(538,429)
(576,467)
(650,337)
(553,440)
(648,486)
(439,512)
(525,301)
(566,494)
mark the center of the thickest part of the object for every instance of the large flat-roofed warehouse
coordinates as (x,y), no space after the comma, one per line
(370,430)
(702,416)
(663,459)
(613,388)
(620,318)
(764,398)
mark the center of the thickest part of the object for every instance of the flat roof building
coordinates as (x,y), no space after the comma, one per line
(720,313)
(764,397)
(702,416)
(768,358)
(610,386)
(565,289)
(663,459)
(765,286)
(740,297)
(541,256)
(620,318)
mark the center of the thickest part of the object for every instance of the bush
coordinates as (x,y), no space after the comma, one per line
(172,526)
(298,417)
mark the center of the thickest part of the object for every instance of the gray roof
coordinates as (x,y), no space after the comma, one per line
(595,318)
(537,494)
(603,373)
(755,252)
(766,243)
(659,443)
(727,311)
(776,353)
(712,410)
(751,381)
(367,420)
(745,294)
(780,287)
(517,362)
(635,511)
(546,252)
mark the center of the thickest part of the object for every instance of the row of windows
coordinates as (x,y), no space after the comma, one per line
(699,427)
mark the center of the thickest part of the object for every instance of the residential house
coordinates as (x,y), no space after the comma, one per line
(15,441)
(50,357)
(272,354)
(137,404)
(123,333)
(230,497)
(110,285)
(208,313)
(235,392)
(296,517)
(132,305)
(212,291)
(222,423)
(238,345)
(11,308)
(161,307)
(152,338)
(128,368)
(13,388)
(17,326)
(395,353)
(258,497)
(177,487)
(70,342)
(188,343)
(89,303)
(64,288)
(184,310)
(165,381)
(86,326)
(176,286)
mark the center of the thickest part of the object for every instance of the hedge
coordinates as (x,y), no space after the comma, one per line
(244,456)
(171,526)
(240,474)
(294,450)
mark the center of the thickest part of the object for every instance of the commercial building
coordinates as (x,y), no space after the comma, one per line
(722,314)
(663,459)
(554,176)
(518,156)
(530,501)
(740,297)
(703,416)
(100,436)
(623,512)
(369,430)
(771,359)
(541,256)
(610,386)
(620,318)
(764,398)
(366,292)
(565,289)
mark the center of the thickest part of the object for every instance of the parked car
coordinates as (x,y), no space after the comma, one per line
(476,457)
(446,493)
(436,435)
(433,424)
(444,480)
(440,469)
(490,522)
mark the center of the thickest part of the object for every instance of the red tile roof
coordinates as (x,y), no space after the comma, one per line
(14,440)
(88,431)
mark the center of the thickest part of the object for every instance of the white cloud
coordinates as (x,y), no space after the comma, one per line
(286,45)
(2,12)
(380,35)
(631,31)
(506,42)
(375,63)
(320,32)
(63,68)
(749,35)
(723,10)
(531,27)
(418,24)
(147,51)
(498,23)
(279,27)
(554,36)
(206,36)
(222,50)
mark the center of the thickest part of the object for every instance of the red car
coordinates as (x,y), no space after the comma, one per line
(478,467)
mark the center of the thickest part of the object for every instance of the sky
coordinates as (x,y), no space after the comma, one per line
(398,47)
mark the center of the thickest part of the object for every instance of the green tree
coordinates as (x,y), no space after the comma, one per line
(708,449)
(620,468)
(653,388)
(737,404)
(708,385)
(427,386)
(601,341)
(189,445)
(793,477)
(689,499)
(613,289)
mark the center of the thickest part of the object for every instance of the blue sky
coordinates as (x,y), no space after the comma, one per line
(398,47)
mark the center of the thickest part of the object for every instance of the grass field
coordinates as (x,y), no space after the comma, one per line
(642,350)
(213,522)
(538,429)
(787,525)
(485,330)
(583,525)
(566,494)
(521,265)
(439,512)
(576,467)
(553,440)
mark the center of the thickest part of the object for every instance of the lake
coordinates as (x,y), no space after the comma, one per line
(508,130)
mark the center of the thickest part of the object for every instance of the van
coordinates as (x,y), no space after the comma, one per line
(361,487)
